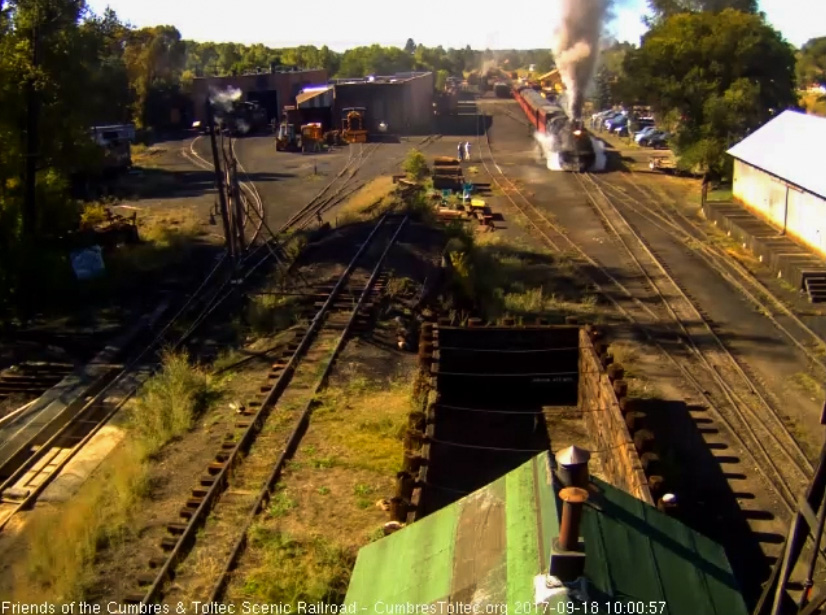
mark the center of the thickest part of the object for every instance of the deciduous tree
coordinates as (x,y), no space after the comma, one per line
(811,63)
(666,8)
(714,77)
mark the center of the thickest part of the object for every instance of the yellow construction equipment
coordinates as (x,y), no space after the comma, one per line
(352,125)
(288,139)
(312,136)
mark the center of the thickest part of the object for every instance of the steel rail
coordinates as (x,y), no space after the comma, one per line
(245,440)
(300,428)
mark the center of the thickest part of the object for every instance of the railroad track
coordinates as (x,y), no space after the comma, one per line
(293,382)
(738,407)
(39,444)
(29,380)
(254,204)
(747,411)
(695,238)
(334,192)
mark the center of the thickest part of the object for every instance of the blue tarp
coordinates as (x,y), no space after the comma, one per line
(88,263)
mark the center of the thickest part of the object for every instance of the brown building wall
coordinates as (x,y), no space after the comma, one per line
(406,106)
(286,85)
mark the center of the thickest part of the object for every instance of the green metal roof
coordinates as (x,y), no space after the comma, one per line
(488,547)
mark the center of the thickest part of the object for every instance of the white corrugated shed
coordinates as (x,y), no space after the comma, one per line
(789,147)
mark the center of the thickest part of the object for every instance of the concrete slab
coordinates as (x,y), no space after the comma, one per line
(786,258)
(98,448)
(84,463)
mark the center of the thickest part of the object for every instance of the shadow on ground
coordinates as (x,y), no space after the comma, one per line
(155,183)
(699,475)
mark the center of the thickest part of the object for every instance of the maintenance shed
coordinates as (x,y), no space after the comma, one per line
(492,549)
(404,102)
(778,175)
(273,88)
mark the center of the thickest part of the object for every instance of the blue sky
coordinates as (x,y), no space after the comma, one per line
(451,23)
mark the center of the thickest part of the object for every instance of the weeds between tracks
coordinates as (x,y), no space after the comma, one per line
(347,461)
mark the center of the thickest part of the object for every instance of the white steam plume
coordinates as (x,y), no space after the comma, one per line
(225,98)
(575,45)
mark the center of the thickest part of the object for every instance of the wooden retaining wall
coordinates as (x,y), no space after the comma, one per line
(602,398)
(618,432)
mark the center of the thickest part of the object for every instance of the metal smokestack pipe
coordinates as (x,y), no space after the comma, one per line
(573,499)
(572,467)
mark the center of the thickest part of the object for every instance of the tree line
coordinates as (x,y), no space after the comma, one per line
(712,69)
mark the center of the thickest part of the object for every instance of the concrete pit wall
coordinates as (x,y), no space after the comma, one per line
(617,432)
(602,398)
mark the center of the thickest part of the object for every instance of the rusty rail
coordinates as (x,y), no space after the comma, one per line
(230,450)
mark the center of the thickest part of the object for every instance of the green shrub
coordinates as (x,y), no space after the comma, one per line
(169,402)
(415,165)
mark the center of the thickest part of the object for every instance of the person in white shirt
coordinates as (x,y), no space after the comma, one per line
(467,150)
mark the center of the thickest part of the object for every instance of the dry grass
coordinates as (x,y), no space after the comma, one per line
(308,569)
(347,461)
(166,240)
(145,156)
(370,199)
(627,354)
(505,278)
(93,214)
(810,385)
(536,301)
(62,541)
(721,195)
(266,315)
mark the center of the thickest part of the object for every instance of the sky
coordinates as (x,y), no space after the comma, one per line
(515,24)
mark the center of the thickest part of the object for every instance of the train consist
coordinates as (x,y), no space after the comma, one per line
(571,142)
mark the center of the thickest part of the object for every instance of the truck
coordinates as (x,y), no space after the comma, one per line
(116,142)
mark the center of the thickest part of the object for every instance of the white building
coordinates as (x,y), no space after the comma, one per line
(779,174)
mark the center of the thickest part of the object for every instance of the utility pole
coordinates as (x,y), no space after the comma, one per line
(219,182)
(239,208)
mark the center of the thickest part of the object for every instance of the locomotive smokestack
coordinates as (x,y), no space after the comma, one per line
(576,46)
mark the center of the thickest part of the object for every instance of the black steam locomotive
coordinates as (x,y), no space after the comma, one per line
(571,141)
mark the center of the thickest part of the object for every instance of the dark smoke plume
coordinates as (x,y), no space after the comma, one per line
(576,46)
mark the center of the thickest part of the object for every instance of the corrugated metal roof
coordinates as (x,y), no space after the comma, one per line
(315,97)
(489,546)
(788,146)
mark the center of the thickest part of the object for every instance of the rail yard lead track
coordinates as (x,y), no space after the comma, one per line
(726,403)
(679,226)
(318,345)
(748,409)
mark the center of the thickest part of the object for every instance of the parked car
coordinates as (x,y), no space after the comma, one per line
(607,119)
(645,132)
(616,121)
(646,140)
(622,131)
(659,140)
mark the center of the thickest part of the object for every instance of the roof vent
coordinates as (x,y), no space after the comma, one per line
(565,577)
(572,466)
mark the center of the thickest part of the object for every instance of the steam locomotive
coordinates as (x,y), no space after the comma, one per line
(571,140)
